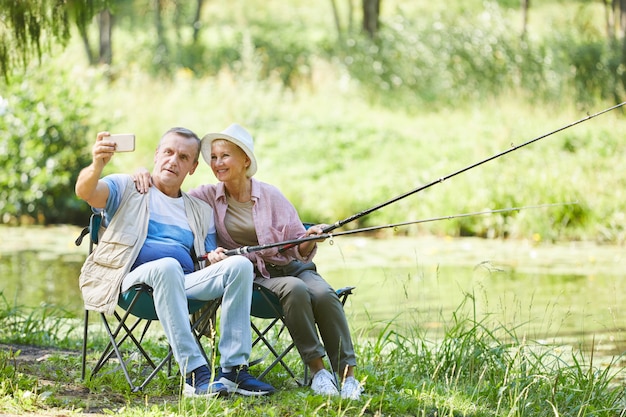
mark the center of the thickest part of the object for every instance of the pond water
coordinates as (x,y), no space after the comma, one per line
(563,293)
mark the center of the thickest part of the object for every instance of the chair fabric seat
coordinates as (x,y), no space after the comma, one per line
(144,306)
(265,305)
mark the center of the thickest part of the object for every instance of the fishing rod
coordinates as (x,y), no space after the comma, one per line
(442,179)
(460,171)
(295,242)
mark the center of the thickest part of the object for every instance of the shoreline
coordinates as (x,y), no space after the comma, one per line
(524,255)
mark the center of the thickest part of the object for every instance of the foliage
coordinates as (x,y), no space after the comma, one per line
(30,27)
(449,59)
(476,368)
(44,120)
(440,59)
(462,55)
(442,90)
(277,52)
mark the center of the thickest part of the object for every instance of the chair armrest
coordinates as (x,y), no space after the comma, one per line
(345,291)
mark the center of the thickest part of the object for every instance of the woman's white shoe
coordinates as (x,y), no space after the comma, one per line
(351,389)
(324,384)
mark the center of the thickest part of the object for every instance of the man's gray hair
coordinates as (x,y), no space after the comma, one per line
(186,133)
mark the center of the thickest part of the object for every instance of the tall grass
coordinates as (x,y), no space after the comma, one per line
(474,369)
(47,325)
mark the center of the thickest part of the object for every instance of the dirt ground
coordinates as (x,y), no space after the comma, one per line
(30,359)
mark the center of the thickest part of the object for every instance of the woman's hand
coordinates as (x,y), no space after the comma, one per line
(318,229)
(305,248)
(142,179)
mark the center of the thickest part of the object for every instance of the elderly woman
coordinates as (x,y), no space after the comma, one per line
(250,212)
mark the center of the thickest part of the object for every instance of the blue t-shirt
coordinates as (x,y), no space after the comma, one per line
(169,234)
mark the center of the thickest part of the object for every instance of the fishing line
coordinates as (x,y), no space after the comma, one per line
(356,216)
(295,242)
(442,179)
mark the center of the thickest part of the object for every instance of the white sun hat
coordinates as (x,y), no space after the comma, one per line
(236,134)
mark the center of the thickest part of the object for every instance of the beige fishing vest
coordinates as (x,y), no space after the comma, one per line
(119,245)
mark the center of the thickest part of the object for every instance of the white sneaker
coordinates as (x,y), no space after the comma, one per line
(324,384)
(351,389)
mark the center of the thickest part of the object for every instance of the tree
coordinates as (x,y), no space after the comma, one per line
(371,14)
(615,14)
(177,15)
(30,27)
(615,18)
(525,9)
(43,139)
(371,17)
(104,19)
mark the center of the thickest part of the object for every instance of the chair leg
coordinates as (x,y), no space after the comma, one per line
(119,355)
(342,293)
(199,327)
(261,337)
(84,351)
(109,351)
(114,344)
(125,331)
(279,356)
(305,381)
(168,359)
(128,333)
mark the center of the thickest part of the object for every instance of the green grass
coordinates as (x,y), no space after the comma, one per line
(477,368)
(46,325)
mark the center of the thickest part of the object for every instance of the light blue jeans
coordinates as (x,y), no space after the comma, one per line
(230,279)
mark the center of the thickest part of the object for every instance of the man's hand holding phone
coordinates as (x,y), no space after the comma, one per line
(107,145)
(124,142)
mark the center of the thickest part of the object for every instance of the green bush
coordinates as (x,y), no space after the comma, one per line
(43,146)
(264,50)
(444,60)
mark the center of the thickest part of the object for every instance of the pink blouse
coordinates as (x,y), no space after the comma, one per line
(275,220)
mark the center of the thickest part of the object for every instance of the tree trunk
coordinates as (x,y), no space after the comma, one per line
(350,16)
(336,17)
(196,21)
(525,8)
(371,13)
(622,32)
(608,20)
(82,30)
(105,25)
(622,15)
(162,51)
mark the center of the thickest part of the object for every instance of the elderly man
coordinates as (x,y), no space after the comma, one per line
(156,238)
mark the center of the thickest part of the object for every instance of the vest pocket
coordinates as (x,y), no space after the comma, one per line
(98,288)
(115,249)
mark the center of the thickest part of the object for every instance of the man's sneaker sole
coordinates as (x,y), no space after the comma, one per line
(233,387)
(190,392)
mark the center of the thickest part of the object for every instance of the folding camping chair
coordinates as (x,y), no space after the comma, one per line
(266,305)
(127,337)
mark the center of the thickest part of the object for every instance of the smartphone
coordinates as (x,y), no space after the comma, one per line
(124,142)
